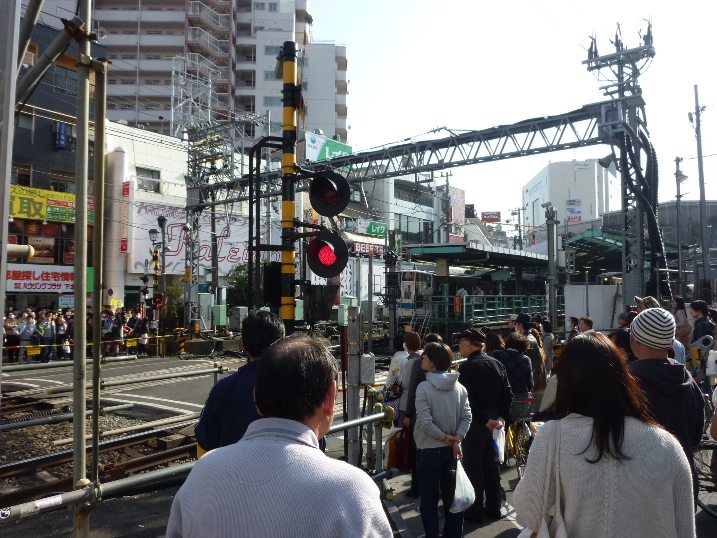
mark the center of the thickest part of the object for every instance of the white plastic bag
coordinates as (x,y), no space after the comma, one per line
(499,443)
(464,496)
(711,368)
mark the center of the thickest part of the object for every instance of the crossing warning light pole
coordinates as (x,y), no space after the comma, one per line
(292,95)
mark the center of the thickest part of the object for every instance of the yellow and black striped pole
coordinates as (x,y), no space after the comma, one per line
(291,99)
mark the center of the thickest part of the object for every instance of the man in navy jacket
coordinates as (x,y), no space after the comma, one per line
(230,408)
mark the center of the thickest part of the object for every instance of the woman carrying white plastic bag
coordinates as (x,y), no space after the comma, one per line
(443,416)
(615,472)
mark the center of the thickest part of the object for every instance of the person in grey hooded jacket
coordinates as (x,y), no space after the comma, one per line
(443,417)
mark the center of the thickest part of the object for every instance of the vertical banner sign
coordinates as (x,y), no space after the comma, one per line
(457,304)
(61,136)
(124,237)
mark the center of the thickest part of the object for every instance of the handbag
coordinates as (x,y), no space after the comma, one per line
(392,395)
(389,449)
(66,349)
(403,460)
(552,524)
(464,495)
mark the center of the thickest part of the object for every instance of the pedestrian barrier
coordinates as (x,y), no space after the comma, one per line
(90,493)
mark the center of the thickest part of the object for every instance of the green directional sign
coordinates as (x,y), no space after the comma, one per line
(370,227)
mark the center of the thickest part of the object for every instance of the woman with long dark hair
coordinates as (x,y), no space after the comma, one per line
(443,416)
(493,342)
(683,329)
(614,462)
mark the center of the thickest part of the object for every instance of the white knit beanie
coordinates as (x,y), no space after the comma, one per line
(654,327)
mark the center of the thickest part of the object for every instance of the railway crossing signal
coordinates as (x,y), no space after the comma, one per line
(327,254)
(329,193)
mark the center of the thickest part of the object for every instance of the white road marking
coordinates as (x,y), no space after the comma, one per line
(43,380)
(26,384)
(165,407)
(200,406)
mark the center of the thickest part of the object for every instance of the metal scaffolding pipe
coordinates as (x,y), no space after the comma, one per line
(44,61)
(132,380)
(100,69)
(145,426)
(21,251)
(32,13)
(59,418)
(358,422)
(46,365)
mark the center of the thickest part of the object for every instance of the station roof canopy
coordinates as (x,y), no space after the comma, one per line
(474,254)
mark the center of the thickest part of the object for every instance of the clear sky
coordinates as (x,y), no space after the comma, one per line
(415,65)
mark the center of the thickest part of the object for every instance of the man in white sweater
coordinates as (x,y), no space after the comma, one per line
(275,481)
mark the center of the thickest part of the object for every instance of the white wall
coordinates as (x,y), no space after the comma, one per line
(604,303)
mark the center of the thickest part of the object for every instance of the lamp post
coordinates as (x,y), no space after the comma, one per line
(158,290)
(679,179)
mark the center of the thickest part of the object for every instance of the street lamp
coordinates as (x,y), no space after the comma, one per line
(680,178)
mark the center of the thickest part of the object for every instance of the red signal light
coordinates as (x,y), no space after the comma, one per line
(327,254)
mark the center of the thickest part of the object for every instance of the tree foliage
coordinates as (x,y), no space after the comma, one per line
(238,285)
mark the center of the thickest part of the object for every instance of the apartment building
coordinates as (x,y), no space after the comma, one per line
(232,42)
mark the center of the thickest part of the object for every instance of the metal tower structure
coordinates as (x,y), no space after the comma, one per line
(637,162)
(192,93)
(215,157)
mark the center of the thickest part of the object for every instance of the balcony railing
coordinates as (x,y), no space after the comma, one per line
(219,46)
(205,64)
(218,20)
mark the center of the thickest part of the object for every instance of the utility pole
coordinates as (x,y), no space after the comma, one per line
(551,222)
(292,94)
(679,179)
(10,13)
(79,460)
(706,294)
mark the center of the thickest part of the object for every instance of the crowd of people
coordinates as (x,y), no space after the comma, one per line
(51,331)
(636,386)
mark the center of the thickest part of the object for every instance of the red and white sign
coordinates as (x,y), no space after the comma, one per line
(457,304)
(127,198)
(365,248)
(574,218)
(490,216)
(50,278)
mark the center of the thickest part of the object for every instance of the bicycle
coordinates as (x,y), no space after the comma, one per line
(706,467)
(520,429)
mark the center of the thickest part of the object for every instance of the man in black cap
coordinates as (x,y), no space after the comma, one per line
(490,396)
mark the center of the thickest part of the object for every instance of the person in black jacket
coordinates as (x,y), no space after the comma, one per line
(490,396)
(704,326)
(673,397)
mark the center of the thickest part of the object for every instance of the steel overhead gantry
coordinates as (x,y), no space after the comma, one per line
(590,125)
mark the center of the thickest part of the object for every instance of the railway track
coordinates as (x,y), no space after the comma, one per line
(142,450)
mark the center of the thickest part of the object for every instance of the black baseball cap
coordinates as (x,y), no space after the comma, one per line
(470,333)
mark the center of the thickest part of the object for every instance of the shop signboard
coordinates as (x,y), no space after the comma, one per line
(40,204)
(60,279)
(369,227)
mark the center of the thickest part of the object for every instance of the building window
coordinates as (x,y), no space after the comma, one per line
(65,81)
(273,6)
(152,82)
(62,181)
(272,101)
(23,121)
(258,29)
(269,75)
(147,180)
(259,5)
(127,81)
(272,50)
(21,174)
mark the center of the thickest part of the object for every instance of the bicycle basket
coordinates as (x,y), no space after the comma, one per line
(525,407)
